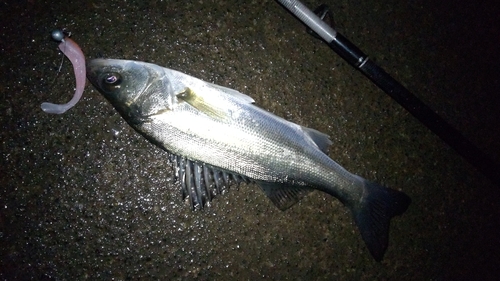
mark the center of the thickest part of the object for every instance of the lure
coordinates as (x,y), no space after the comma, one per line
(73,52)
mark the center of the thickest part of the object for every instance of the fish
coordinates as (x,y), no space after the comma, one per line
(216,137)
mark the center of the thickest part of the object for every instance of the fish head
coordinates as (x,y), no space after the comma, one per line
(136,89)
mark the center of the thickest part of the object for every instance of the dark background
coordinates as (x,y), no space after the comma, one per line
(82,196)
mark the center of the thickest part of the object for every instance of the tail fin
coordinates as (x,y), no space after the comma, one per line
(373,214)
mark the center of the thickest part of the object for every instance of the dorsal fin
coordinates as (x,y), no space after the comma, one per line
(284,196)
(201,182)
(320,139)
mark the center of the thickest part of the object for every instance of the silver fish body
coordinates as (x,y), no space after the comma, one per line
(216,135)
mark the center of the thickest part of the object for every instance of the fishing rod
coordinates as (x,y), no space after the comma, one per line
(359,60)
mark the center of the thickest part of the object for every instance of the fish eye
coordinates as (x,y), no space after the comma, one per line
(112,78)
(111,81)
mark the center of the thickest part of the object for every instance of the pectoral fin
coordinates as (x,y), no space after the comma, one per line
(202,105)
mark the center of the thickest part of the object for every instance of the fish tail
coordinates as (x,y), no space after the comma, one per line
(373,213)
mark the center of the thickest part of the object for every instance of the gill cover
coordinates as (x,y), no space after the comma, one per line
(135,89)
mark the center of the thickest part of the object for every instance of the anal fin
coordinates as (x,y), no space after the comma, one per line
(320,139)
